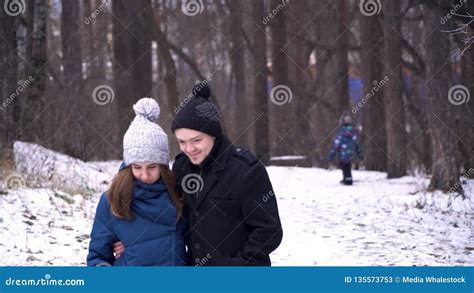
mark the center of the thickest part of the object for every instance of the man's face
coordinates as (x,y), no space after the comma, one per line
(196,145)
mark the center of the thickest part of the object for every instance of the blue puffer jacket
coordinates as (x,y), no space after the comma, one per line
(345,144)
(152,238)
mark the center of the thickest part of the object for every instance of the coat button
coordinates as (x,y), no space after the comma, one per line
(238,149)
(197,246)
(196,213)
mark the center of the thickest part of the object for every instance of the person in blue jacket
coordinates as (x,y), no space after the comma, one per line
(346,145)
(142,208)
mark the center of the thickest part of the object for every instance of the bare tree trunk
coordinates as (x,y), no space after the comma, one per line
(281,92)
(31,126)
(260,74)
(373,117)
(438,73)
(326,82)
(8,86)
(466,141)
(87,38)
(302,143)
(100,141)
(164,54)
(237,57)
(394,104)
(71,134)
(414,107)
(341,55)
(99,29)
(123,60)
(132,57)
(141,27)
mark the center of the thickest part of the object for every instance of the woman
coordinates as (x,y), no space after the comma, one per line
(142,208)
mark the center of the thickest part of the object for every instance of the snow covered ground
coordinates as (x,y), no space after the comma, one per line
(375,222)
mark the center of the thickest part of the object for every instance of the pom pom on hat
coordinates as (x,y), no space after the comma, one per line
(148,108)
(201,89)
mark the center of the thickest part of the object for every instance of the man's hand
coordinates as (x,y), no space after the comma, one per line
(118,249)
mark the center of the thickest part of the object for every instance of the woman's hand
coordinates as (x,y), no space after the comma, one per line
(118,249)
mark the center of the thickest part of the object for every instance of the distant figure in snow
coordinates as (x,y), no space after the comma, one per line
(346,145)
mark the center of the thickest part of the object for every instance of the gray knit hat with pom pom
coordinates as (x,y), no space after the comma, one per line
(145,140)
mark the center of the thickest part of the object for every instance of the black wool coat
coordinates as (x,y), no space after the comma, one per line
(230,206)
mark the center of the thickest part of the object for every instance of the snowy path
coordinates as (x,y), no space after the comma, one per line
(375,222)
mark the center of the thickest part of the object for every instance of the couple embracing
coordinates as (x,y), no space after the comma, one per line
(215,207)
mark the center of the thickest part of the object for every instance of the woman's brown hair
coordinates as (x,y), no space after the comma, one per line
(120,192)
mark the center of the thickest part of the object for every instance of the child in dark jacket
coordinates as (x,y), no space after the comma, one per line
(142,207)
(346,145)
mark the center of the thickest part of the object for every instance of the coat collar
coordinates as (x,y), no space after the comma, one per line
(214,163)
(218,156)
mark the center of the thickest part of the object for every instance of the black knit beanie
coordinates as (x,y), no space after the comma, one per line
(198,113)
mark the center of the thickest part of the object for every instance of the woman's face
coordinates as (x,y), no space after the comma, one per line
(146,172)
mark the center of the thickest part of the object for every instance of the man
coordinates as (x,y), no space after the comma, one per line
(230,205)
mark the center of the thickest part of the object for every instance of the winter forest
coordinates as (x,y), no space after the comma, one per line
(282,73)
